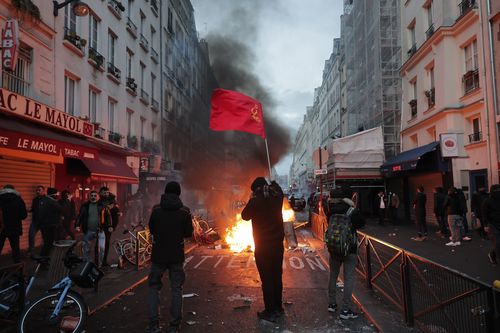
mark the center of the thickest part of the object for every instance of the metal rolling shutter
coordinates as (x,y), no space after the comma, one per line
(429,182)
(25,176)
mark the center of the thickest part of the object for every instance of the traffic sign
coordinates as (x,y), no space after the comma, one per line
(320,172)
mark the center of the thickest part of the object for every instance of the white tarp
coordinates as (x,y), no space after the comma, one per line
(363,150)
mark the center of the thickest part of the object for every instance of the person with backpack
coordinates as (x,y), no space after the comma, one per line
(341,240)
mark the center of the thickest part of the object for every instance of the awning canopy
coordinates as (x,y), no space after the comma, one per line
(111,168)
(424,158)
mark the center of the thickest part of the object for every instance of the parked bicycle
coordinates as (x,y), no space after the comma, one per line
(62,309)
(127,248)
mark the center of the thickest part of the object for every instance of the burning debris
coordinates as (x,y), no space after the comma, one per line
(239,237)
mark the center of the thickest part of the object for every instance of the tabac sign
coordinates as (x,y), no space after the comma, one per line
(10,44)
(19,105)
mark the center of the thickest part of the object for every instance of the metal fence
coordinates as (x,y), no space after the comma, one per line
(431,296)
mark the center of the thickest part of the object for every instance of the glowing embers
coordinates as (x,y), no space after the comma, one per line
(239,237)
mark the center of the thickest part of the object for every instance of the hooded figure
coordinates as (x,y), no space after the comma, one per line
(264,209)
(13,210)
(490,213)
(169,224)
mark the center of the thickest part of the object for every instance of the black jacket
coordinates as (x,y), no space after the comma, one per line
(49,212)
(439,203)
(68,209)
(452,205)
(265,211)
(477,202)
(35,210)
(170,223)
(419,203)
(14,211)
(104,217)
(490,210)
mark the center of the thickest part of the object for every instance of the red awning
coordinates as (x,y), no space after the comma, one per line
(111,168)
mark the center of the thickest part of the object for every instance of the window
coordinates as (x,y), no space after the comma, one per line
(130,56)
(142,127)
(129,123)
(143,69)
(69,96)
(430,94)
(111,115)
(476,131)
(111,47)
(93,100)
(476,126)
(413,102)
(470,52)
(69,18)
(153,80)
(153,34)
(430,23)
(169,21)
(143,21)
(153,132)
(129,8)
(93,31)
(19,80)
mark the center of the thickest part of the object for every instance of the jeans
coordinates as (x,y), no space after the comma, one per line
(349,263)
(177,277)
(441,219)
(455,225)
(269,262)
(32,235)
(90,236)
(14,245)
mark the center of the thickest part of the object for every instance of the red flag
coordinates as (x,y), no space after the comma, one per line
(233,111)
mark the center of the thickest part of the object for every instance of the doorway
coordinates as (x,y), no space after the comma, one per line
(478,179)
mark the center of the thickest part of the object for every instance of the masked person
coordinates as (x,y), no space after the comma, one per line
(50,216)
(169,224)
(264,209)
(68,215)
(108,199)
(93,219)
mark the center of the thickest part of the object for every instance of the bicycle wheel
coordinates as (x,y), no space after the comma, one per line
(128,251)
(71,318)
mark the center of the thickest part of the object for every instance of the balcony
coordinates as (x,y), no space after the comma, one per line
(74,39)
(155,105)
(154,7)
(154,55)
(132,142)
(465,6)
(431,98)
(131,27)
(413,108)
(16,84)
(114,137)
(475,137)
(96,58)
(412,50)
(430,31)
(114,72)
(99,132)
(470,81)
(131,84)
(116,7)
(144,97)
(149,146)
(144,42)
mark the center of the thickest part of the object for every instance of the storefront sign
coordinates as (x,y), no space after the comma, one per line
(20,141)
(19,105)
(449,145)
(10,44)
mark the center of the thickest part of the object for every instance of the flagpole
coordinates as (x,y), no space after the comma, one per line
(268,160)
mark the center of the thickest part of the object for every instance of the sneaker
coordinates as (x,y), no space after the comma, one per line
(466,239)
(332,307)
(493,257)
(452,243)
(266,316)
(348,314)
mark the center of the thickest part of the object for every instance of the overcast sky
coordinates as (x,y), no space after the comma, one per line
(291,40)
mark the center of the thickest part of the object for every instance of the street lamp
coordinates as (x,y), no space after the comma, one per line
(80,8)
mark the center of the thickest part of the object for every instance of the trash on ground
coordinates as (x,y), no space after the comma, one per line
(113,265)
(192,312)
(240,297)
(190,295)
(190,322)
(218,247)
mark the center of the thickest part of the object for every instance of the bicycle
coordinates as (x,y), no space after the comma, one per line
(201,230)
(62,309)
(15,288)
(127,248)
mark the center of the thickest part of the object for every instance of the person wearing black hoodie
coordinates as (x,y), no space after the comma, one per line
(265,210)
(490,212)
(169,224)
(13,211)
(50,216)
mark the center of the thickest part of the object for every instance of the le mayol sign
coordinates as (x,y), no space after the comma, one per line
(22,106)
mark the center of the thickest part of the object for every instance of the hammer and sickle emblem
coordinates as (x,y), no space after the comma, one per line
(255,113)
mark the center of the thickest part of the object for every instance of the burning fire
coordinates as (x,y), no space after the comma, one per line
(239,237)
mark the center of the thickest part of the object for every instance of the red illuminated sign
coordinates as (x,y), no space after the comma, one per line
(396,168)
(10,44)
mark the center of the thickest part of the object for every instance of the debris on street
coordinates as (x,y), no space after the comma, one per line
(190,295)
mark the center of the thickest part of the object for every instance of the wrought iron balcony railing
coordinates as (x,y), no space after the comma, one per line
(475,137)
(465,6)
(114,137)
(412,50)
(144,96)
(114,71)
(155,105)
(431,99)
(413,108)
(96,57)
(430,31)
(470,81)
(15,83)
(144,42)
(131,27)
(154,55)
(72,37)
(131,84)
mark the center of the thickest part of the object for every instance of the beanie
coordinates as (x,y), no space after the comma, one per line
(173,187)
(51,191)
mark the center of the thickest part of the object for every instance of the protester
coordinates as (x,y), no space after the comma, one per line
(419,206)
(108,199)
(68,215)
(35,217)
(264,209)
(340,204)
(454,211)
(49,219)
(93,219)
(13,212)
(382,205)
(464,208)
(490,212)
(476,203)
(439,212)
(169,224)
(393,201)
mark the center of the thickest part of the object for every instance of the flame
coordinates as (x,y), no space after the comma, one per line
(239,237)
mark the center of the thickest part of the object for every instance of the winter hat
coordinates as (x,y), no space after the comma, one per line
(258,182)
(173,187)
(51,191)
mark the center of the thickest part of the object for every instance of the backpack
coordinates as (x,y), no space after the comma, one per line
(339,236)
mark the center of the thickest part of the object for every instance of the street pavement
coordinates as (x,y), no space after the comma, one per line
(228,295)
